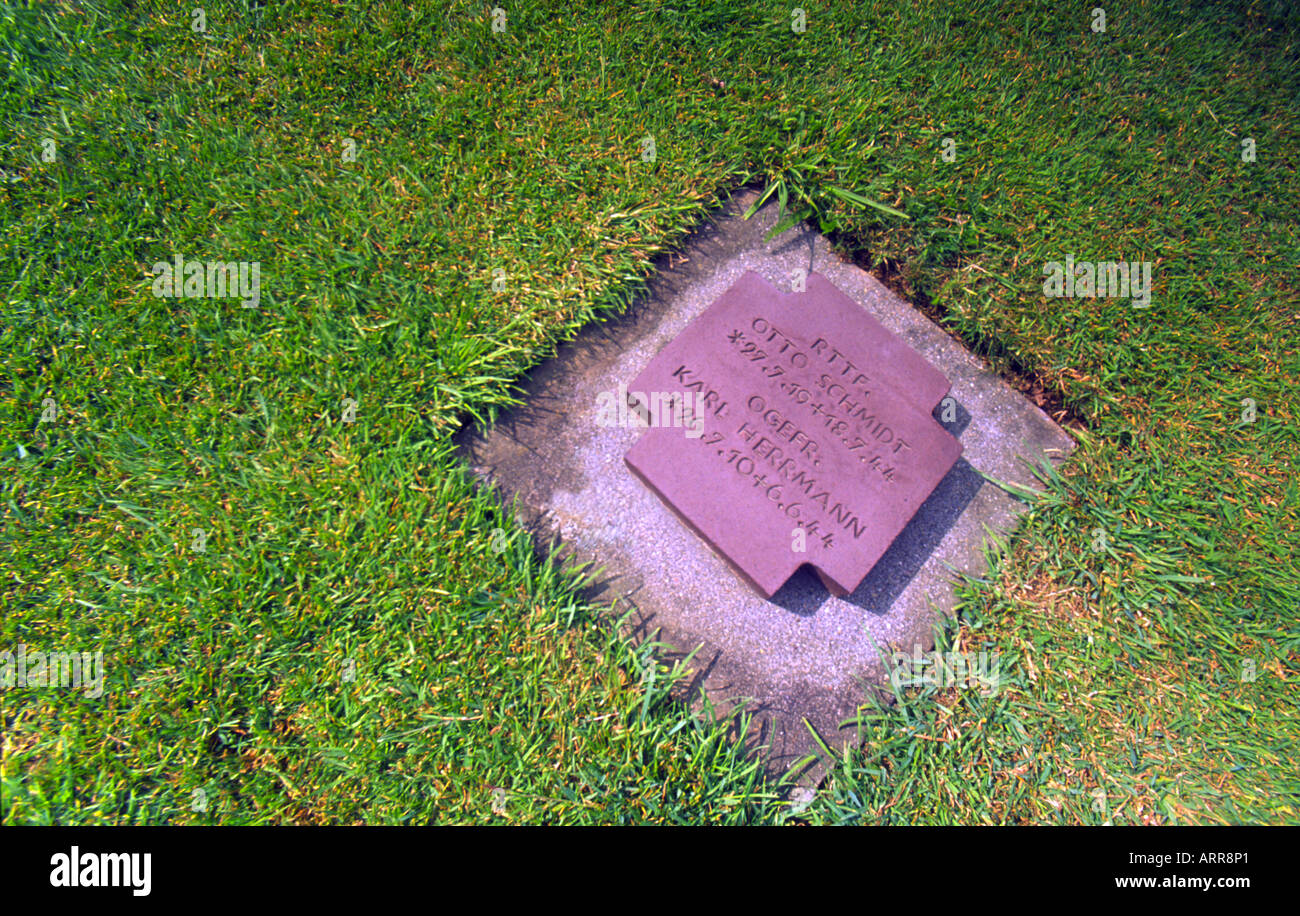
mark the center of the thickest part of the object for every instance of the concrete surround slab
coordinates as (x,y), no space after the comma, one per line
(805,654)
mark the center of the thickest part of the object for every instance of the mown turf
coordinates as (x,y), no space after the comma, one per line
(365,638)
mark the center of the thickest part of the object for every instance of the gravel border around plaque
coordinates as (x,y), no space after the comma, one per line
(804,654)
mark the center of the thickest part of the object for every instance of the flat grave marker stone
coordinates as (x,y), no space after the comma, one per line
(791,428)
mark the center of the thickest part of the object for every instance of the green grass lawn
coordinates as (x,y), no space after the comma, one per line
(364,637)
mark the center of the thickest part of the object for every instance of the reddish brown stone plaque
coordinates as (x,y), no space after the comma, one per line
(791,428)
